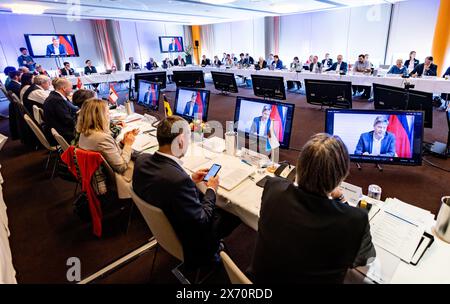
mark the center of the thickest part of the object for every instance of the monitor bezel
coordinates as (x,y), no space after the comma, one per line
(30,48)
(202,84)
(188,118)
(285,145)
(137,78)
(417,161)
(235,87)
(278,78)
(323,81)
(159,97)
(166,52)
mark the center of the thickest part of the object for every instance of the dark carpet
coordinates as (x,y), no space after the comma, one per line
(45,232)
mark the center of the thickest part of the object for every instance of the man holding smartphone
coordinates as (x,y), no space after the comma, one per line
(160,180)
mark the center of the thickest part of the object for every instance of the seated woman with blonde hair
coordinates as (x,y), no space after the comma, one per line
(95,135)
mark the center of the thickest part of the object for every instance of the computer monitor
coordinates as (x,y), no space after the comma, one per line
(337,94)
(158,77)
(269,86)
(379,136)
(224,82)
(192,103)
(148,94)
(395,98)
(189,79)
(250,114)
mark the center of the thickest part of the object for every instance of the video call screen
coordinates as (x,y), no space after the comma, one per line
(47,45)
(169,44)
(192,103)
(379,136)
(148,94)
(264,118)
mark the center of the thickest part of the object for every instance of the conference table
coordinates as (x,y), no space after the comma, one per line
(244,201)
(426,84)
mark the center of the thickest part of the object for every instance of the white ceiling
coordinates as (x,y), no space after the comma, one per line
(177,11)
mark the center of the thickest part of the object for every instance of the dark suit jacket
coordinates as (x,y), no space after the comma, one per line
(14,87)
(446,72)
(217,62)
(135,66)
(432,71)
(161,182)
(29,103)
(64,72)
(166,64)
(416,62)
(51,50)
(151,66)
(366,141)
(61,115)
(312,64)
(90,70)
(254,129)
(344,67)
(177,62)
(329,62)
(206,62)
(306,238)
(187,108)
(148,98)
(264,65)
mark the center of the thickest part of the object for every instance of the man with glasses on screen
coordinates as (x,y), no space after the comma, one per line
(191,107)
(261,124)
(378,142)
(150,96)
(56,49)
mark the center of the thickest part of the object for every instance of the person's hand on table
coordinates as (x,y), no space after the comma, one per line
(198,176)
(130,137)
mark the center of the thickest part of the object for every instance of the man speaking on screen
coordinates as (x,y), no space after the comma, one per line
(378,142)
(56,49)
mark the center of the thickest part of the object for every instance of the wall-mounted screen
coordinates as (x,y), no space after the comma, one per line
(49,45)
(171,44)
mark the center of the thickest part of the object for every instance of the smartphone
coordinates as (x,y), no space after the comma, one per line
(212,172)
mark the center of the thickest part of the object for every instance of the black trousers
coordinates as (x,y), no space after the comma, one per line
(224,223)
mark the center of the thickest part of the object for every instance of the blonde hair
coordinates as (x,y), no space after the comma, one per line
(92,117)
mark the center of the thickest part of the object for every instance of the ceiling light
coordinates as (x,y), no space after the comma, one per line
(29,9)
(217,1)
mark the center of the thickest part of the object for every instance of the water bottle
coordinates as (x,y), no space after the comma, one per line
(129,106)
(230,139)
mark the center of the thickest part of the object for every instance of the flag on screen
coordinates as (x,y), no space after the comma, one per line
(178,46)
(113,96)
(199,100)
(68,44)
(153,101)
(398,125)
(167,108)
(278,120)
(79,83)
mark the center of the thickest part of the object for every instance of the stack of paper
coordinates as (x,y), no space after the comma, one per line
(214,144)
(143,142)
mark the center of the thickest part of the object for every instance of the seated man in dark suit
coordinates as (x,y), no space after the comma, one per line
(59,112)
(327,62)
(428,68)
(89,68)
(160,180)
(56,49)
(248,60)
(339,66)
(179,61)
(378,142)
(14,84)
(151,64)
(217,62)
(306,232)
(315,66)
(205,61)
(131,65)
(67,70)
(191,107)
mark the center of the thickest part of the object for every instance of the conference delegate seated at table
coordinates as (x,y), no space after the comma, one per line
(362,66)
(67,70)
(40,70)
(242,60)
(339,66)
(38,92)
(59,112)
(270,59)
(228,61)
(14,84)
(277,63)
(412,62)
(315,66)
(26,60)
(55,48)
(261,64)
(205,61)
(447,72)
(224,58)
(306,231)
(151,64)
(93,125)
(428,68)
(296,66)
(89,68)
(131,65)
(398,68)
(217,62)
(81,95)
(160,180)
(26,81)
(248,59)
(167,63)
(378,142)
(327,61)
(179,61)
(6,71)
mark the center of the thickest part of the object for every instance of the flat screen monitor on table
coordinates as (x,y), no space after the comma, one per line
(192,103)
(224,82)
(158,77)
(189,79)
(379,136)
(148,95)
(266,119)
(269,86)
(337,94)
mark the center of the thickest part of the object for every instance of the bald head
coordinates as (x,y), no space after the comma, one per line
(63,86)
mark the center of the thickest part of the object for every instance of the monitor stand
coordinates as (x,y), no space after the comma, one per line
(224,93)
(378,166)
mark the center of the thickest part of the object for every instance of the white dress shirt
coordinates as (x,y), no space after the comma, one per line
(39,95)
(376,145)
(262,128)
(338,67)
(56,49)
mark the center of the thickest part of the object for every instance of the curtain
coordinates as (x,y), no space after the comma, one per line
(109,42)
(207,41)
(187,30)
(272,35)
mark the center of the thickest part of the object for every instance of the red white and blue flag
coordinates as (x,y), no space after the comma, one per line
(178,46)
(403,132)
(68,44)
(200,100)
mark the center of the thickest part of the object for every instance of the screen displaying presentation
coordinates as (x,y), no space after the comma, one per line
(390,137)
(148,94)
(192,103)
(264,118)
(169,44)
(47,45)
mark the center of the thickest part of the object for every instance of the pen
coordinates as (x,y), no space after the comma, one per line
(246,162)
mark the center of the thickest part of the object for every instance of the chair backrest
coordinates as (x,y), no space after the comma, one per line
(38,114)
(160,226)
(235,275)
(59,139)
(37,131)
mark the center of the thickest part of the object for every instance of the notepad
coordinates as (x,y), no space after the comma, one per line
(143,142)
